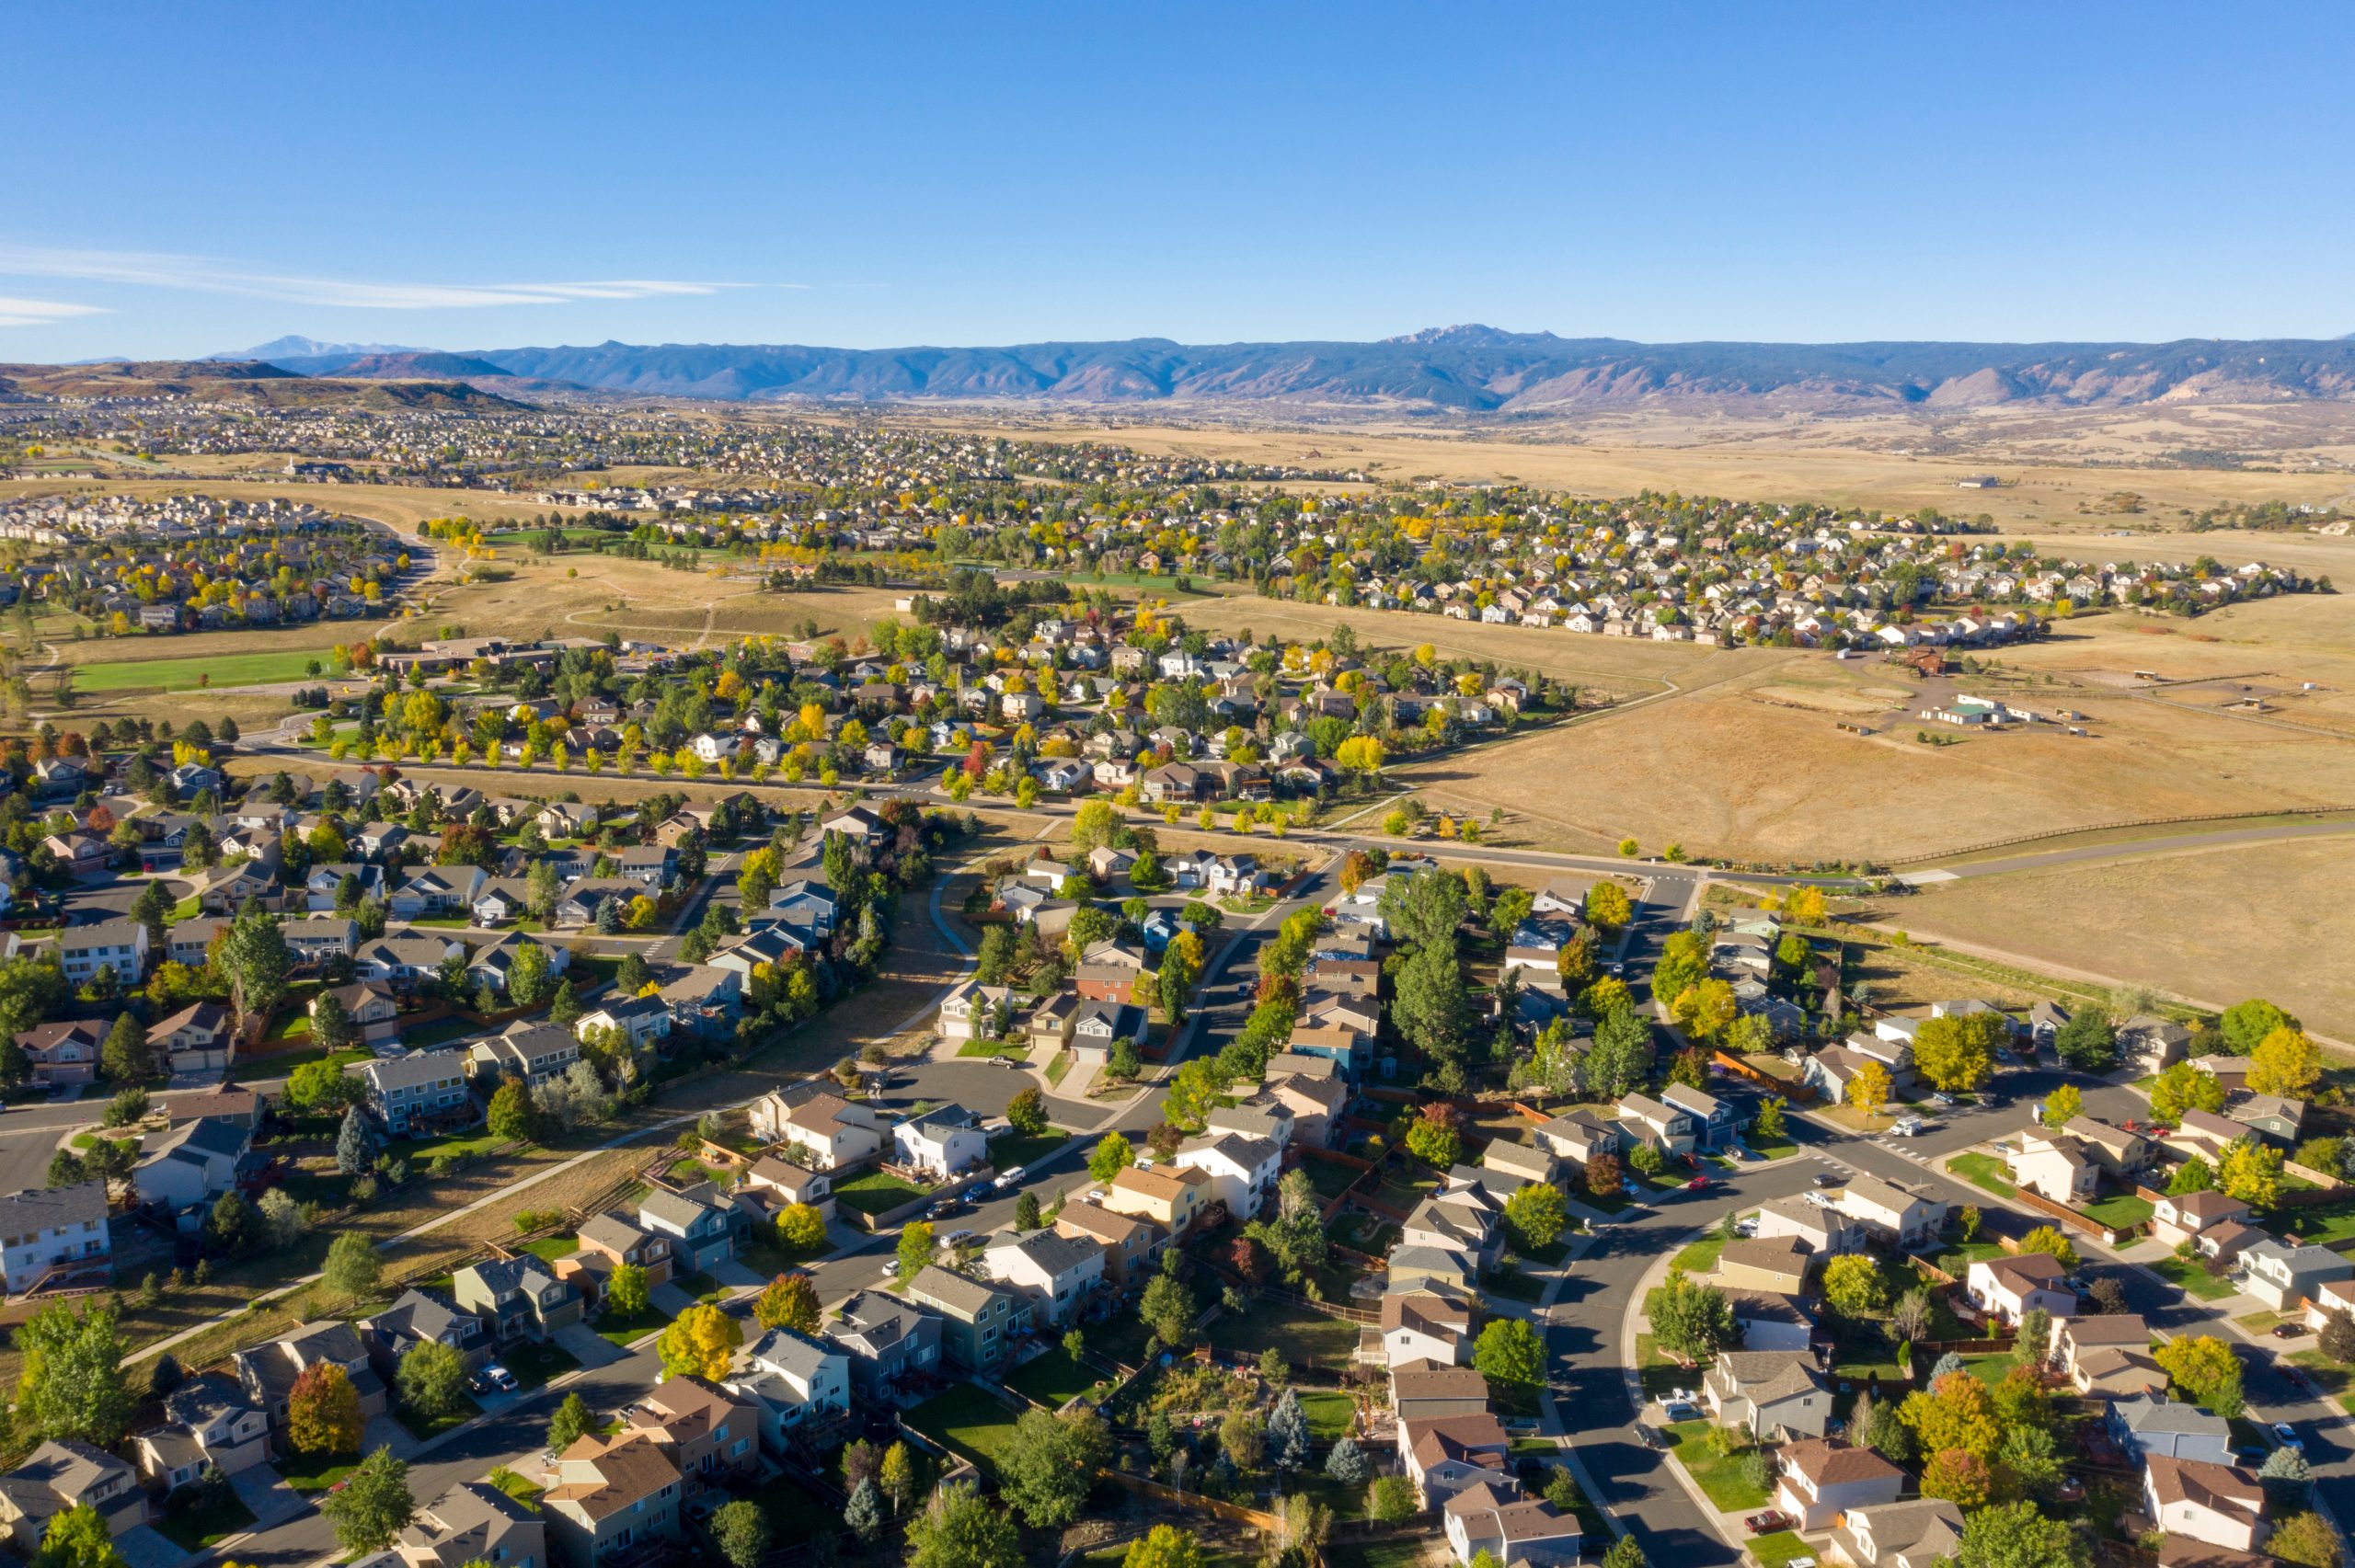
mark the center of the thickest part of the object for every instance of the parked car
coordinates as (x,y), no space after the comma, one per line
(891,1268)
(1697,1184)
(1646,1437)
(1772,1520)
(2285,1435)
(2289,1330)
(1010,1180)
(1826,1179)
(494,1379)
(1942,1099)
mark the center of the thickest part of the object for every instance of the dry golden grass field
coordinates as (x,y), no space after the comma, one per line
(2217,925)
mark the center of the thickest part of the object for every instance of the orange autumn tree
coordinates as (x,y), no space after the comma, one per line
(323,1412)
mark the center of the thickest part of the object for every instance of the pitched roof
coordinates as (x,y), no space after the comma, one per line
(632,1466)
(1828,1463)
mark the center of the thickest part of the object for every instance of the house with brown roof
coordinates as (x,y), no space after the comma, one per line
(473,1522)
(611,1498)
(1487,1517)
(1444,1455)
(1921,1534)
(2178,1217)
(60,1474)
(1422,1325)
(63,1054)
(1819,1480)
(2012,1285)
(1779,1264)
(1132,1245)
(707,1431)
(1422,1390)
(2124,1156)
(2221,1504)
(1169,1196)
(2203,1135)
(836,1132)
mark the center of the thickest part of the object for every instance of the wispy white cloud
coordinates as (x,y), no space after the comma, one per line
(205,276)
(40,313)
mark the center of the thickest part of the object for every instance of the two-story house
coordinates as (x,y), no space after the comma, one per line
(1646,1120)
(1131,1245)
(2054,1165)
(2009,1286)
(65,1473)
(2153,1425)
(267,1372)
(1242,1170)
(1889,1212)
(1819,1480)
(525,1052)
(208,1421)
(1446,1454)
(1579,1135)
(473,1522)
(118,945)
(2178,1217)
(418,1089)
(800,1388)
(1058,1271)
(63,1055)
(1921,1534)
(611,1497)
(2285,1277)
(190,1164)
(519,1297)
(975,1012)
(1767,1392)
(2220,1503)
(1172,1196)
(1487,1519)
(417,1317)
(608,1241)
(697,1219)
(709,1431)
(1424,1326)
(978,1321)
(835,1132)
(1714,1124)
(945,1141)
(892,1345)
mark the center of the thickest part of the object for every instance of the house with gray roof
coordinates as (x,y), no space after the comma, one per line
(979,1323)
(417,1317)
(890,1344)
(192,1163)
(697,1219)
(55,1231)
(1770,1394)
(267,1372)
(206,1421)
(2154,1423)
(1056,1271)
(518,1297)
(473,1522)
(799,1385)
(60,1474)
(418,1089)
(2285,1277)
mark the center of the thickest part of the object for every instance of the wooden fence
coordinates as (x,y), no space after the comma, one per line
(1798,1093)
(1233,1512)
(2072,1218)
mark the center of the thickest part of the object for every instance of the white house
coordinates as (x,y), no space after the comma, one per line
(2221,1504)
(2012,1285)
(944,1142)
(53,1229)
(835,1132)
(1056,1271)
(1242,1169)
(794,1382)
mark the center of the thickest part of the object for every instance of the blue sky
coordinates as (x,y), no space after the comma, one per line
(189,179)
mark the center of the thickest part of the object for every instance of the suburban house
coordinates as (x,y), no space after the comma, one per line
(945,1141)
(1767,1392)
(708,1431)
(1097,1026)
(206,1421)
(696,1220)
(892,1345)
(643,1021)
(607,1242)
(2055,1165)
(64,1474)
(1169,1196)
(2203,1135)
(192,1163)
(1890,1212)
(1448,1453)
(1110,971)
(1779,1264)
(473,1522)
(518,1296)
(1646,1120)
(975,1011)
(2221,1504)
(1713,1119)
(1820,1480)
(1486,1517)
(836,1132)
(611,1497)
(59,1231)
(267,1372)
(2011,1285)
(1520,1165)
(1132,1246)
(2125,1156)
(1056,1271)
(417,1089)
(791,1183)
(1422,1390)
(1821,1228)
(2147,1044)
(1316,1102)
(1579,1135)
(1421,1325)
(799,1387)
(416,1316)
(1920,1534)
(2153,1425)
(526,1052)
(120,946)
(63,1055)
(2285,1277)
(2178,1217)
(1242,1170)
(2270,1116)
(979,1323)
(196,1040)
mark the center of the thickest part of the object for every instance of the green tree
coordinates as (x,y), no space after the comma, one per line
(1111,1156)
(2015,1535)
(355,1143)
(627,1292)
(788,1302)
(528,976)
(431,1377)
(1026,1113)
(1025,1212)
(1164,1546)
(2303,1538)
(2204,1371)
(2183,1087)
(2048,1240)
(1767,1124)
(2062,1106)
(77,1537)
(1625,1552)
(1608,907)
(2287,1063)
(1429,1009)
(740,1531)
(375,1505)
(2251,1171)
(510,1117)
(2088,1042)
(1390,1499)
(353,1267)
(331,1029)
(1508,1352)
(1048,1465)
(996,957)
(573,1420)
(72,1383)
(1432,1138)
(252,957)
(958,1529)
(1168,1308)
(1536,1215)
(915,1248)
(2245,1025)
(1854,1286)
(864,1512)
(124,1058)
(1690,1320)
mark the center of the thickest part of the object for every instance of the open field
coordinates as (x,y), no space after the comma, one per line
(402,506)
(2206,924)
(181,674)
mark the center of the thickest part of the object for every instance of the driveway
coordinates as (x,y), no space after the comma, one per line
(266,1494)
(588,1347)
(144,1546)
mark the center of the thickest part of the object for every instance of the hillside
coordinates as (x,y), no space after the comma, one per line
(212,381)
(1472,370)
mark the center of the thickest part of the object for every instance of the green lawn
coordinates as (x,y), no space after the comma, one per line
(700,1285)
(1701,1256)
(1513,1285)
(1054,1379)
(1300,1337)
(2119,1211)
(1989,1369)
(873,1192)
(966,1419)
(440,1032)
(1956,1261)
(515,1486)
(1772,1550)
(1331,1416)
(1771,1148)
(2324,1224)
(194,1529)
(1984,1172)
(547,1249)
(534,1364)
(306,1475)
(1719,1479)
(1661,1375)
(1399,1552)
(426,1427)
(1329,1177)
(1014,1149)
(456,1145)
(181,674)
(2190,1277)
(1058,1068)
(624,1329)
(1018,1046)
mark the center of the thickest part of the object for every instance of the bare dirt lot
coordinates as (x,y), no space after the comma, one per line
(2215,926)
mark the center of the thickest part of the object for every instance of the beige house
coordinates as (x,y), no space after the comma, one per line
(1780,1263)
(1448,1453)
(1820,1479)
(1169,1196)
(1133,1246)
(473,1522)
(2179,1218)
(1920,1534)
(2221,1504)
(611,1497)
(2011,1286)
(706,1431)
(59,1475)
(1889,1212)
(2125,1156)
(2056,1166)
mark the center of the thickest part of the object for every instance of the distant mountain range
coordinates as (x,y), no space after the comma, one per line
(1473,369)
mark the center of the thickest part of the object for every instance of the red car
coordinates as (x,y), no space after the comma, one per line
(1698,1184)
(1761,1524)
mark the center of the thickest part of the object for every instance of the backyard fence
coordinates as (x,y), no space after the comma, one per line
(1233,1512)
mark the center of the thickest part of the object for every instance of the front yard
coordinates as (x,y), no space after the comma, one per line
(1983,1172)
(2192,1277)
(1718,1476)
(195,1529)
(873,1192)
(1014,1149)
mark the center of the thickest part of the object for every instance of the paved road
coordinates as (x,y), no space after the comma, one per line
(2130,848)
